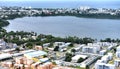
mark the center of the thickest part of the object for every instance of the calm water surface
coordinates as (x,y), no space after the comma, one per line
(67,26)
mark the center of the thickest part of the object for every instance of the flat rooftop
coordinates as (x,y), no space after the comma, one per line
(35,54)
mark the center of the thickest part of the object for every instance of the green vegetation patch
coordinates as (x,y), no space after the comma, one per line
(3,23)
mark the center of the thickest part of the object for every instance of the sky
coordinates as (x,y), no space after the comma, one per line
(59,0)
(62,3)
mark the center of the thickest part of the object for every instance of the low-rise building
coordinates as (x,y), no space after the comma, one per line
(36,55)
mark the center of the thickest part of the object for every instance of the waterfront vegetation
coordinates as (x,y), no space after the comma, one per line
(31,38)
(21,37)
(3,23)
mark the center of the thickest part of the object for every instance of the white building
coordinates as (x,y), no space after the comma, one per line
(27,51)
(105,59)
(62,47)
(118,49)
(84,8)
(118,54)
(8,50)
(17,54)
(46,44)
(102,52)
(105,44)
(14,45)
(79,47)
(110,47)
(110,56)
(5,56)
(2,44)
(90,49)
(104,66)
(117,63)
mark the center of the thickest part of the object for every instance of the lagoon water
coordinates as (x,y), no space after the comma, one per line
(67,26)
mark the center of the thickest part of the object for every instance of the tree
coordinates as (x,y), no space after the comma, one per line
(56,48)
(29,45)
(87,67)
(3,23)
(51,44)
(17,49)
(108,40)
(73,50)
(114,50)
(71,45)
(80,60)
(68,57)
(49,36)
